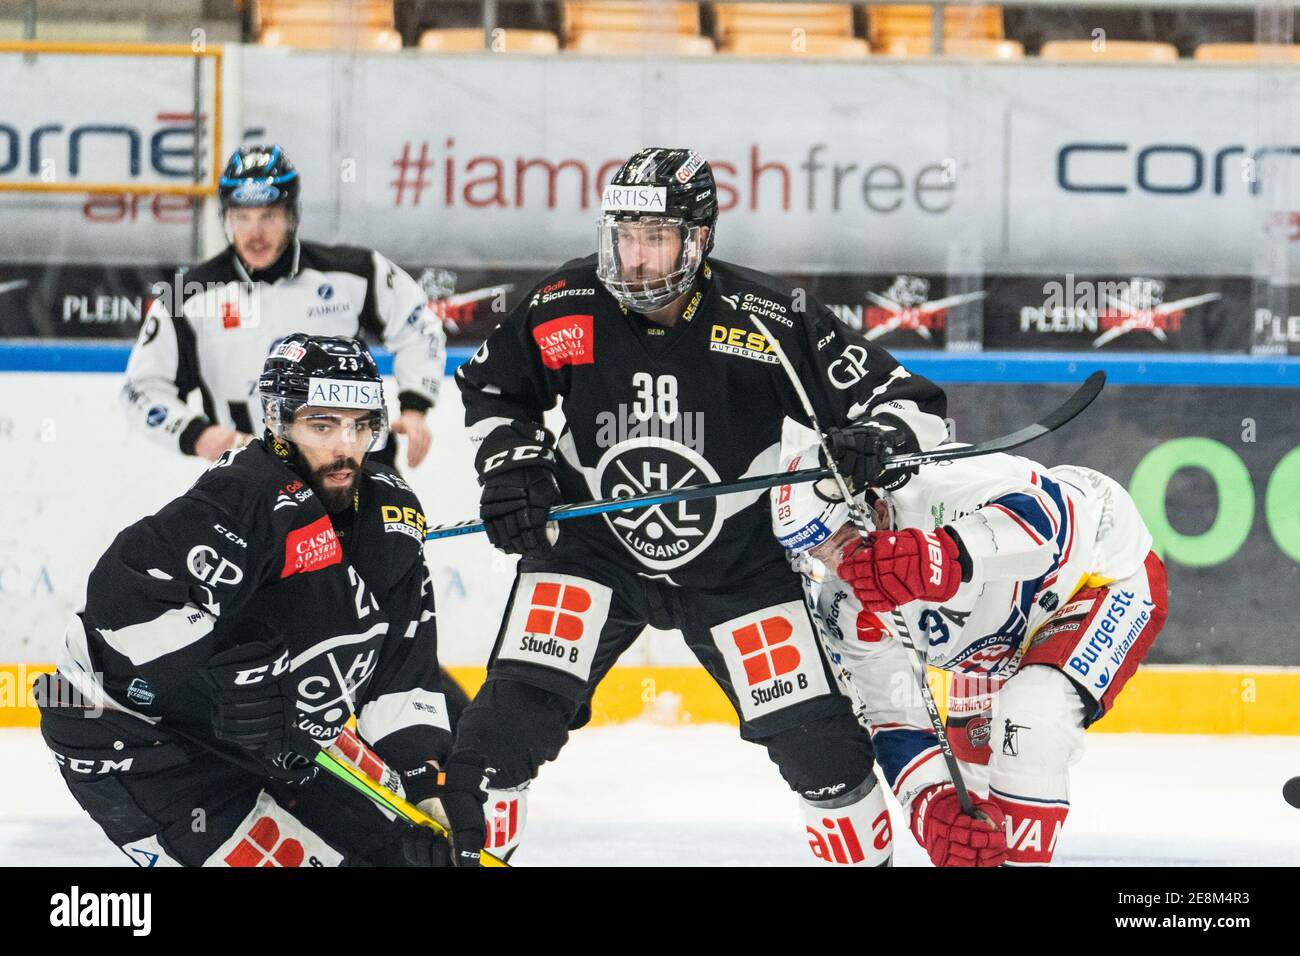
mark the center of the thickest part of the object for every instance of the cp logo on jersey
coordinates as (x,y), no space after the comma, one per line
(662,537)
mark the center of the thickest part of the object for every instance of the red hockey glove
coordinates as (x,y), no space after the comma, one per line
(951,837)
(892,568)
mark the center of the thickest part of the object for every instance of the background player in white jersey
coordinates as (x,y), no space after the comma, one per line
(219,326)
(1036,587)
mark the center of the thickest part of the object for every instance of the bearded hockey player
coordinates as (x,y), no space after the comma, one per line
(1037,588)
(666,382)
(213,332)
(228,638)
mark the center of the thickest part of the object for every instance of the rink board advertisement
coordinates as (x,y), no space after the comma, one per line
(1100,313)
(873,167)
(1216,472)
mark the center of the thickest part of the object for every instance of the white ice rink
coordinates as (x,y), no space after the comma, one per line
(647,794)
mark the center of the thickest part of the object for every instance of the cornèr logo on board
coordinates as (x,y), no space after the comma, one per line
(75,908)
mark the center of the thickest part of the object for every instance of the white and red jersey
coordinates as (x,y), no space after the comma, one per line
(1035,536)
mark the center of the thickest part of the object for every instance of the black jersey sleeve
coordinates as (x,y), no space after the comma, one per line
(402,713)
(157,594)
(506,380)
(848,378)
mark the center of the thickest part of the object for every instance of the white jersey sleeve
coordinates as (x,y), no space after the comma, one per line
(413,332)
(1006,519)
(160,373)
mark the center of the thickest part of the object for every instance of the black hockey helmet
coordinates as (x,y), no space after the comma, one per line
(257,176)
(660,189)
(322,372)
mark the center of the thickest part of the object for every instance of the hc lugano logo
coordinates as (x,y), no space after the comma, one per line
(667,536)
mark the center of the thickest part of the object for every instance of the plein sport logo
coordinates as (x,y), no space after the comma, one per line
(664,536)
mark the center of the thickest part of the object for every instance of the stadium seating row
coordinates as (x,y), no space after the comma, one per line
(749,29)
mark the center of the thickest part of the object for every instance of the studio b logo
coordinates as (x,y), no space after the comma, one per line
(761,650)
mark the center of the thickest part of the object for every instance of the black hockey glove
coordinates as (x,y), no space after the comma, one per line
(858,449)
(455,798)
(516,467)
(254,708)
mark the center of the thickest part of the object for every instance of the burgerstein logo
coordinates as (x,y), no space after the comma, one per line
(664,536)
(566,341)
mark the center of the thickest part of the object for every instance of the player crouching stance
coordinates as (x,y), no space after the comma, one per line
(228,638)
(1037,588)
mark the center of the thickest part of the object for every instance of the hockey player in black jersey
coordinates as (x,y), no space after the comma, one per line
(667,382)
(229,637)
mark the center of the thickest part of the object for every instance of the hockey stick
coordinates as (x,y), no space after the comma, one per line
(334,762)
(337,764)
(1081,399)
(859,517)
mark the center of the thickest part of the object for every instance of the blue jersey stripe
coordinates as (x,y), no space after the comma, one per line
(895,749)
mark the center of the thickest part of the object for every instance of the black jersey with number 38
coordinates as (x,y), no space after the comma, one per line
(648,408)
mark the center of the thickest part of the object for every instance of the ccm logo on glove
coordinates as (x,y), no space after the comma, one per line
(258,674)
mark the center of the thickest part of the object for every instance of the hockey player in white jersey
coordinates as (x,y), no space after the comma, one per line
(212,332)
(1037,588)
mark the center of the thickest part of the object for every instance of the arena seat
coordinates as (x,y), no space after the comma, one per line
(312,36)
(1112,51)
(783,44)
(782,19)
(278,13)
(913,23)
(1246,53)
(609,17)
(470,40)
(624,42)
(970,48)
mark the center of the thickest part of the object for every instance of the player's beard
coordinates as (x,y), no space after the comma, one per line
(335,497)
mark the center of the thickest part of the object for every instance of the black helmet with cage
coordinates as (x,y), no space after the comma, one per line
(326,374)
(658,216)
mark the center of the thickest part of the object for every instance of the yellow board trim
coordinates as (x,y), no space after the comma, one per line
(215,52)
(1159,699)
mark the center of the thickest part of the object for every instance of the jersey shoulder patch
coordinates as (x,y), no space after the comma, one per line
(571,289)
(250,483)
(399,508)
(323,258)
(220,268)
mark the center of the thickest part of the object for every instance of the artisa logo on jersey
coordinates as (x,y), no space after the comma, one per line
(666,536)
(566,341)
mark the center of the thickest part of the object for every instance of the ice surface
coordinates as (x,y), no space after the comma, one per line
(647,794)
